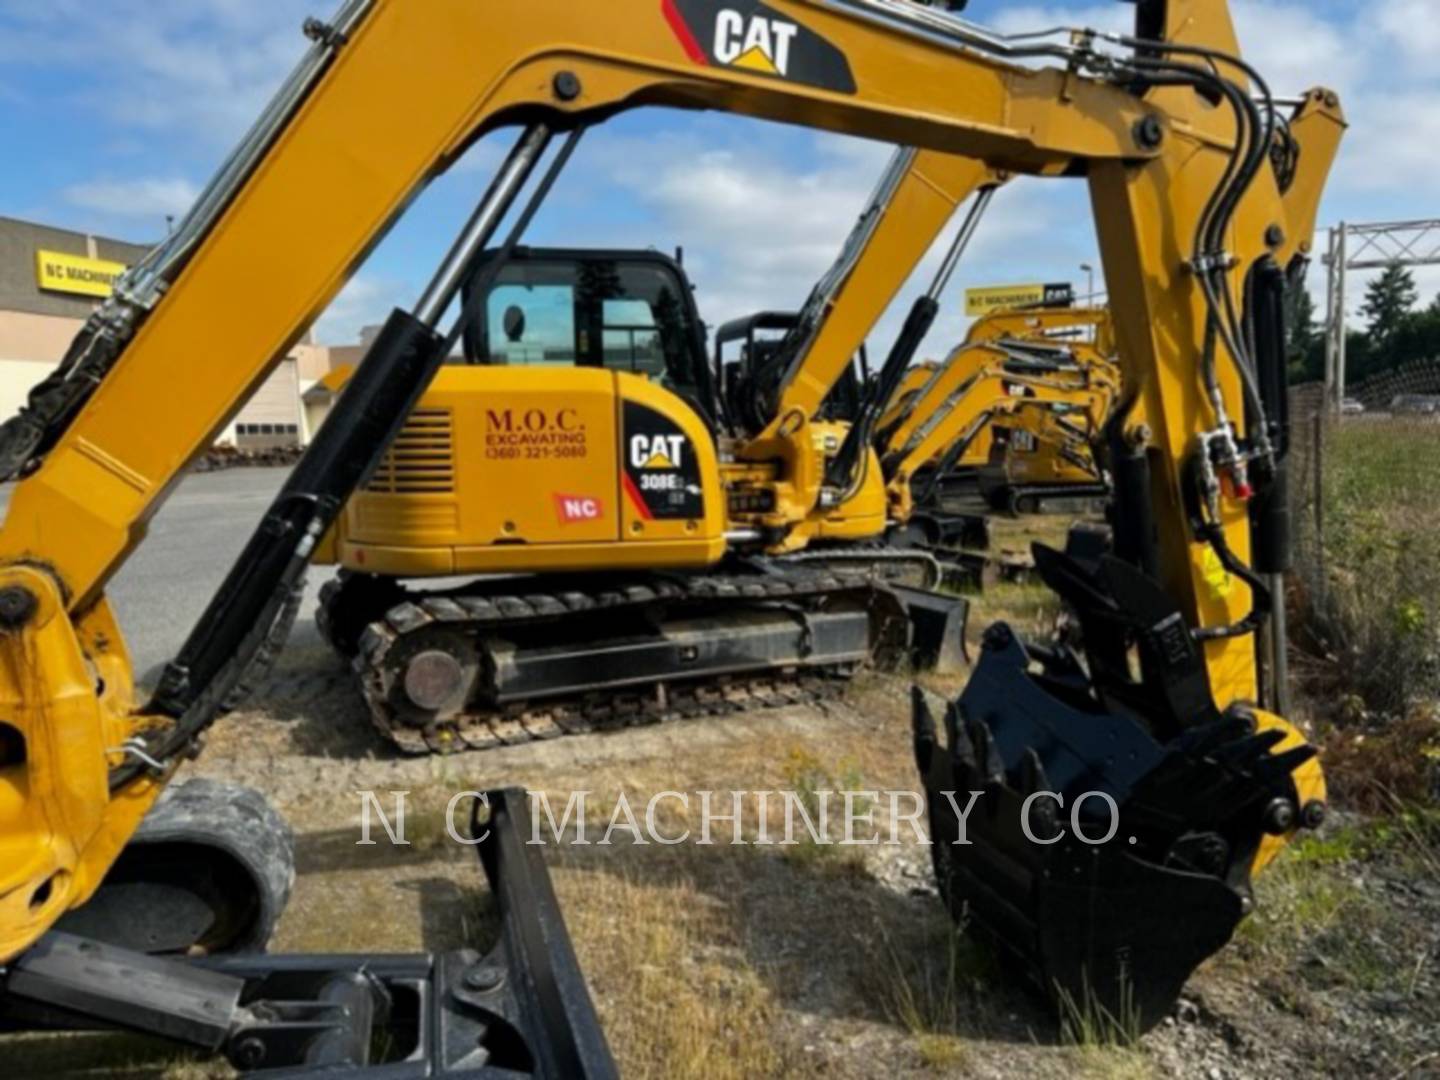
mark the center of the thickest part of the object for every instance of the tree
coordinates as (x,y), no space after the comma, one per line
(1389,301)
(1305,344)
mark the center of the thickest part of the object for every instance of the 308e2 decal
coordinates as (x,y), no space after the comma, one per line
(748,35)
(662,477)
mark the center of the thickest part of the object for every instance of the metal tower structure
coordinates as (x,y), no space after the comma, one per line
(1367,247)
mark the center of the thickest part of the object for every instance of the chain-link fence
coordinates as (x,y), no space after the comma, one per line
(1365,500)
(1412,389)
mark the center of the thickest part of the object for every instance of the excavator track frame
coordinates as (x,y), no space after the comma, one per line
(473,616)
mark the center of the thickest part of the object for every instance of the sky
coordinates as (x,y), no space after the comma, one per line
(114,114)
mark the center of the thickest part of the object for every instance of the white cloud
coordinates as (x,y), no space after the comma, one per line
(1294,49)
(758,235)
(1393,145)
(365,301)
(145,198)
(199,69)
(1412,27)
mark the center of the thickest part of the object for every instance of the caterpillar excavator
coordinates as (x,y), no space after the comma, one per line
(1063,396)
(1041,325)
(1204,188)
(999,459)
(650,563)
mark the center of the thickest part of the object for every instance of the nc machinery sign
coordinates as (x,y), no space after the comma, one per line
(997,298)
(55,271)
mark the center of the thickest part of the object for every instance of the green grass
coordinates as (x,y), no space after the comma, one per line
(1320,917)
(1369,588)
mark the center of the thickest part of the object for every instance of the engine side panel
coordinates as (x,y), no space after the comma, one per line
(533,468)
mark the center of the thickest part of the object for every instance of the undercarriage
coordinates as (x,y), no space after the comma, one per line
(502,661)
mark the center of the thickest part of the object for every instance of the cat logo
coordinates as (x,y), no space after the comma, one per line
(657,451)
(750,36)
(758,44)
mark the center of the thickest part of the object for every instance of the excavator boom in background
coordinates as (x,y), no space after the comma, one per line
(1204,188)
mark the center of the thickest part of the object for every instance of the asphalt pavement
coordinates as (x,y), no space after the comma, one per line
(164,586)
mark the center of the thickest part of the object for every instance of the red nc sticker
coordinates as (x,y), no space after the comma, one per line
(577,508)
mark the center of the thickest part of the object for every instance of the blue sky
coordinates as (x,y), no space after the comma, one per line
(113,114)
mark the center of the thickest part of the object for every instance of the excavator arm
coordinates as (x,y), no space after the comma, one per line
(1187,201)
(1042,324)
(941,381)
(995,389)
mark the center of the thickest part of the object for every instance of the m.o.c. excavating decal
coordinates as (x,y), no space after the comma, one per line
(750,36)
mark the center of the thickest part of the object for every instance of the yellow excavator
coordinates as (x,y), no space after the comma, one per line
(1062,396)
(1036,324)
(1159,731)
(651,559)
(1012,458)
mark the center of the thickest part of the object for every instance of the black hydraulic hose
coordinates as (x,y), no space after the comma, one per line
(53,403)
(1240,173)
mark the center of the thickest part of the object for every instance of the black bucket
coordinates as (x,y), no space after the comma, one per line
(1136,865)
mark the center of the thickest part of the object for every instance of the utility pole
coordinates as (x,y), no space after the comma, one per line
(1335,328)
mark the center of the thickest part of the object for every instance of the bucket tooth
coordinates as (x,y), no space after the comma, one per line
(922,725)
(1031,777)
(992,768)
(1276,767)
(962,750)
(1251,748)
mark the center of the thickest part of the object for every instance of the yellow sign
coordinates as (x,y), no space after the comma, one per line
(999,297)
(56,271)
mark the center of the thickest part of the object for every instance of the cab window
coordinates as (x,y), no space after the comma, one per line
(531,326)
(591,312)
(631,338)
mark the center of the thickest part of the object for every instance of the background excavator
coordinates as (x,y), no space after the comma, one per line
(1005,386)
(1046,460)
(995,464)
(1204,200)
(1039,325)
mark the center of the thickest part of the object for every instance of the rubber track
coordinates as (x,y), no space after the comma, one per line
(600,711)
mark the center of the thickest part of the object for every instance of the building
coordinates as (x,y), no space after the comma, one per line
(50,281)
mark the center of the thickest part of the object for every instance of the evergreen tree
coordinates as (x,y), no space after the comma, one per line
(1306,342)
(1389,301)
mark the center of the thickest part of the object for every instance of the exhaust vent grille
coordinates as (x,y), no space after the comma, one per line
(422,459)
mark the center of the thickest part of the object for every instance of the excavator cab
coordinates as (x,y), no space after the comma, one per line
(751,347)
(631,311)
